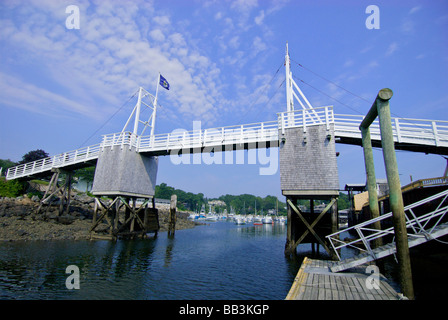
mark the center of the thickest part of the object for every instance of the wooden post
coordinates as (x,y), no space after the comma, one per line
(308,226)
(371,182)
(290,225)
(395,195)
(69,188)
(381,109)
(131,228)
(172,216)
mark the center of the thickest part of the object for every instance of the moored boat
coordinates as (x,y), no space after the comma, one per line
(267,220)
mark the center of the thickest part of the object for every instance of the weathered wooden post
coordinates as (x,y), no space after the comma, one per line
(381,109)
(172,216)
(371,181)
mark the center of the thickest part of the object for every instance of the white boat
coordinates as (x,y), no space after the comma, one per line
(193,216)
(267,220)
(211,217)
(240,220)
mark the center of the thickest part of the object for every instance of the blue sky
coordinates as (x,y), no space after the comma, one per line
(59,86)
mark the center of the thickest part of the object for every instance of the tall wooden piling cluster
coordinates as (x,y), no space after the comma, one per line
(124,217)
(311,226)
(381,109)
(55,190)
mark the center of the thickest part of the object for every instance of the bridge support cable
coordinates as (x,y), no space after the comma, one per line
(410,122)
(264,89)
(110,118)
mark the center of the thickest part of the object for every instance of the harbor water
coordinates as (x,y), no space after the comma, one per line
(217,261)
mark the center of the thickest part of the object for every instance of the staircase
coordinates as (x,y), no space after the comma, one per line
(422,228)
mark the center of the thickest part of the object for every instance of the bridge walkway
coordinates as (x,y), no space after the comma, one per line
(429,136)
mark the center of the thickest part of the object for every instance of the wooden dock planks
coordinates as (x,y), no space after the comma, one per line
(315,281)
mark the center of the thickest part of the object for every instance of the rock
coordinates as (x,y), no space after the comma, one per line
(35,198)
(22,232)
(52,215)
(66,219)
(83,198)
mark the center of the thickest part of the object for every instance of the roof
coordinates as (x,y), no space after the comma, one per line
(355,186)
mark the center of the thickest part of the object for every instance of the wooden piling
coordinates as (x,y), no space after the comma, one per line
(54,189)
(137,222)
(381,109)
(307,224)
(371,181)
(172,216)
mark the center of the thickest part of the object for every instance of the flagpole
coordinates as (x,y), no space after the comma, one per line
(153,122)
(157,88)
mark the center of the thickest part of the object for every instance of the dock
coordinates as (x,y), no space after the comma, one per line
(315,281)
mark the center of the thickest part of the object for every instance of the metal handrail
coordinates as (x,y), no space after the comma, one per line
(417,226)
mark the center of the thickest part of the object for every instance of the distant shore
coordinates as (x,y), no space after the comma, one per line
(18,221)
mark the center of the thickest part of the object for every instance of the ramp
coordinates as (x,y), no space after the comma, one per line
(425,221)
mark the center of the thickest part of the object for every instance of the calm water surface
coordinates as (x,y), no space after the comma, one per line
(216,261)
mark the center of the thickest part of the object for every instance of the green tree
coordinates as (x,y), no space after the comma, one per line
(33,156)
(86,175)
(343,201)
(5,165)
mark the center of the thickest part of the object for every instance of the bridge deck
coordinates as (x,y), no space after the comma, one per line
(418,135)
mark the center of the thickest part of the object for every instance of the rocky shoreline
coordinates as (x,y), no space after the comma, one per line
(19,221)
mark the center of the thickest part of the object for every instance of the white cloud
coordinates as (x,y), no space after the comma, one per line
(218,16)
(157,35)
(407,26)
(244,6)
(107,59)
(258,46)
(348,63)
(391,49)
(162,20)
(259,19)
(28,96)
(234,43)
(415,9)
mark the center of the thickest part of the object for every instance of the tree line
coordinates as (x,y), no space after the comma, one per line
(239,204)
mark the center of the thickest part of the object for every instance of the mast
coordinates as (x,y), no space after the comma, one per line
(153,120)
(289,100)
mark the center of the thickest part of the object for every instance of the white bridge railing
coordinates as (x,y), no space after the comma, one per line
(58,161)
(410,131)
(181,139)
(405,130)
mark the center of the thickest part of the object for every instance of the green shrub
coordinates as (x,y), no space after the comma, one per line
(12,188)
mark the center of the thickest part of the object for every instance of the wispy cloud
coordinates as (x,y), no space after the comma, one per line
(414,9)
(111,55)
(29,97)
(392,48)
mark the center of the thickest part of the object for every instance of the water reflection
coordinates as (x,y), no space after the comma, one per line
(218,261)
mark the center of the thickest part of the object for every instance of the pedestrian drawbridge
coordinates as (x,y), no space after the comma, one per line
(426,220)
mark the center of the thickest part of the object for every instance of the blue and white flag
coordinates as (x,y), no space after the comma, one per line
(164,83)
